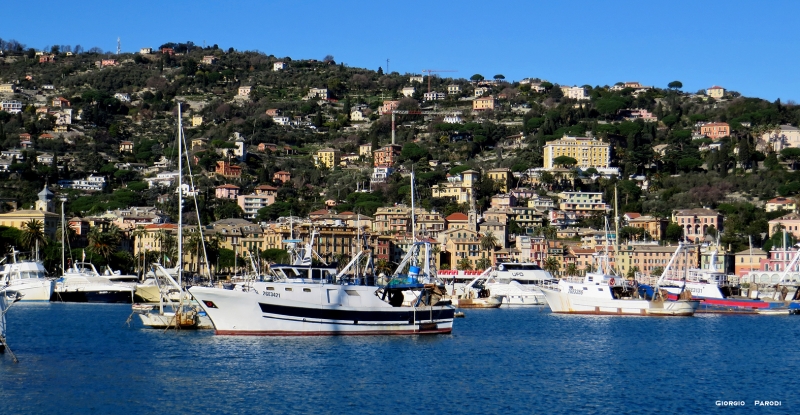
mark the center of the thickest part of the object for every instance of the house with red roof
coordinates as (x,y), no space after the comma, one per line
(715,92)
(282,176)
(457,220)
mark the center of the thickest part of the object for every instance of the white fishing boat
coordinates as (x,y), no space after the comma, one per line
(717,294)
(28,278)
(600,293)
(325,306)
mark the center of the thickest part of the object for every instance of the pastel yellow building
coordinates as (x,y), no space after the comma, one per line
(42,212)
(502,177)
(588,151)
(328,158)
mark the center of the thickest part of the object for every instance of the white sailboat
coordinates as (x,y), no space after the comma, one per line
(183,313)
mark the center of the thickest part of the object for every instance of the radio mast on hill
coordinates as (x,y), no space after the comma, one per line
(119,46)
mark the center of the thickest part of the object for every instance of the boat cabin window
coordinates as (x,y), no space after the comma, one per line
(270,288)
(288,289)
(518,266)
(306,290)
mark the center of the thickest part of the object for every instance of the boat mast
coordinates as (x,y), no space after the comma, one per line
(616,232)
(413,216)
(180,196)
(63,232)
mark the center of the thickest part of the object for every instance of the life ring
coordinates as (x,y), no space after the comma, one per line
(611,282)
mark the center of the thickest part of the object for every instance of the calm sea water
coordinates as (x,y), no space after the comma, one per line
(82,358)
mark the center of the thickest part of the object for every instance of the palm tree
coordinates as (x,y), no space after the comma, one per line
(552,265)
(104,242)
(464,264)
(483,263)
(572,269)
(192,247)
(488,242)
(33,234)
(137,236)
(383,266)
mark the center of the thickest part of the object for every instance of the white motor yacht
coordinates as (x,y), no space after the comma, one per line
(81,283)
(28,278)
(518,283)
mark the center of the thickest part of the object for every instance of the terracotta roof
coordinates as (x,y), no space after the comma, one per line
(781,200)
(161,226)
(632,215)
(227,186)
(266,187)
(458,216)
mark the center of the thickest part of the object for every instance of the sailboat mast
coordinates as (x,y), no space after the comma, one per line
(413,212)
(616,230)
(180,195)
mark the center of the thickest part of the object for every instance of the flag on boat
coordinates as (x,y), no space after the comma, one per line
(166,259)
(84,256)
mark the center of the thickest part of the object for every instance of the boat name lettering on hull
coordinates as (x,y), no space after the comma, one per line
(271,294)
(574,291)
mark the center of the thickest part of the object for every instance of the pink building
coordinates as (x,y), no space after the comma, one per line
(696,222)
(282,176)
(227,191)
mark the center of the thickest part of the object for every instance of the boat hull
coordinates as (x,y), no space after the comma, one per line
(32,289)
(566,303)
(267,314)
(147,294)
(125,297)
(491,302)
(740,306)
(163,321)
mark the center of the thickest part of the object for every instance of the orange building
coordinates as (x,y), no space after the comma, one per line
(227,169)
(716,130)
(386,156)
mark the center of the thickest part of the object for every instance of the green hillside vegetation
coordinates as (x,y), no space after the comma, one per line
(734,177)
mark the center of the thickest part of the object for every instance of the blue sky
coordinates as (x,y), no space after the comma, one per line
(750,47)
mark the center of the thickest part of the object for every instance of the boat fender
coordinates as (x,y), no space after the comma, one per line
(611,282)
